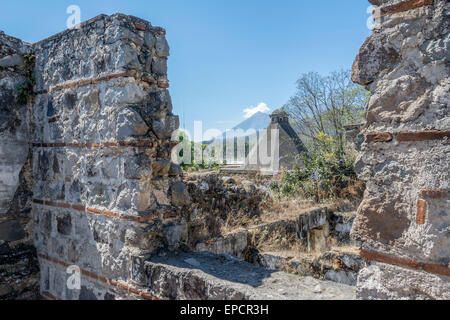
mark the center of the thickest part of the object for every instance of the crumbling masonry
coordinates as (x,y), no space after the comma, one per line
(86,179)
(87,183)
(19,268)
(104,191)
(404,219)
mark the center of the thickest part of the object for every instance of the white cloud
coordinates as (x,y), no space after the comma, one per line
(262,107)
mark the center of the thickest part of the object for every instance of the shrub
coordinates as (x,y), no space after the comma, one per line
(193,165)
(25,89)
(320,174)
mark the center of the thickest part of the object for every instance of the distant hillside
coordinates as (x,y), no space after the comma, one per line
(258,121)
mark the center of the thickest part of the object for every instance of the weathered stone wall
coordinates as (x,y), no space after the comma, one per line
(105,191)
(404,219)
(92,155)
(18,262)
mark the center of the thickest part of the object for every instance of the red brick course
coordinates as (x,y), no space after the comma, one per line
(425,135)
(379,137)
(437,269)
(107,213)
(403,262)
(404,6)
(101,145)
(48,296)
(87,82)
(55,119)
(372,255)
(164,84)
(94,276)
(59,205)
(421,212)
(140,26)
(79,207)
(434,194)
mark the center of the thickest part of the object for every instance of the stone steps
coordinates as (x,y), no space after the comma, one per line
(207,276)
(334,266)
(294,230)
(319,234)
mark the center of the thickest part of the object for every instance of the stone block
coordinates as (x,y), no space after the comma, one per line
(46,221)
(137,166)
(159,128)
(162,47)
(64,224)
(180,195)
(159,66)
(130,123)
(11,231)
(129,93)
(14,60)
(76,189)
(149,40)
(176,234)
(161,167)
(175,170)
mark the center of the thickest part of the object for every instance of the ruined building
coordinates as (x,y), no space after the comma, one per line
(87,185)
(404,218)
(19,268)
(287,146)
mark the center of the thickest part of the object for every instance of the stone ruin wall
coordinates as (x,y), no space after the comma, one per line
(105,193)
(19,270)
(404,219)
(91,164)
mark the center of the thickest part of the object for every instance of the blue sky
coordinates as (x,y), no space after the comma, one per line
(226,55)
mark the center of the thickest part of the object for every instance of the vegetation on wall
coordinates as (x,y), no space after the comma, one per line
(25,89)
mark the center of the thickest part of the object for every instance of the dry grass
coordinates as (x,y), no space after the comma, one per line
(286,248)
(287,210)
(272,211)
(275,210)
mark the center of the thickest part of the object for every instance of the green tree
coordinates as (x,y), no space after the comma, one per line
(324,105)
